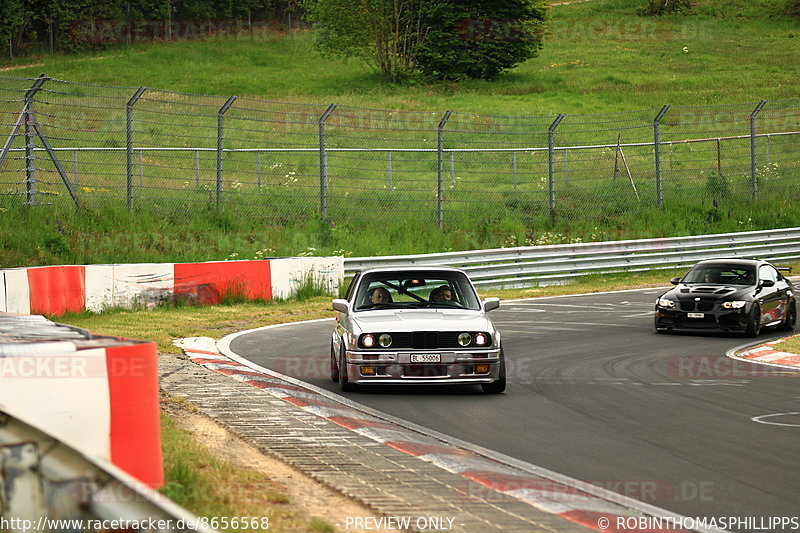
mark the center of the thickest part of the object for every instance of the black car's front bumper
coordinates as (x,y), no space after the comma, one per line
(718,319)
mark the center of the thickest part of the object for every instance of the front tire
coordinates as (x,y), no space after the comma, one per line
(344,383)
(496,387)
(791,317)
(754,322)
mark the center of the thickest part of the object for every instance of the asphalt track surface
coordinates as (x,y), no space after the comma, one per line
(596,394)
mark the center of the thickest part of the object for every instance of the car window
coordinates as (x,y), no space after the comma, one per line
(381,290)
(767,272)
(351,288)
(720,274)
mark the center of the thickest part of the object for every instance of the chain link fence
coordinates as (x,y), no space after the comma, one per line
(143,148)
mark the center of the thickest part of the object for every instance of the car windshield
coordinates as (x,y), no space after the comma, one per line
(721,275)
(416,289)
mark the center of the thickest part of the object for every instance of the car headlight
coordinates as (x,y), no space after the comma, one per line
(734,304)
(464,339)
(368,341)
(385,340)
(665,302)
(481,339)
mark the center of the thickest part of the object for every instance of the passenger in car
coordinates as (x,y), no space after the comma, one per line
(442,293)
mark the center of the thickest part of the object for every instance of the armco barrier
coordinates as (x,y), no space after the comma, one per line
(100,394)
(46,484)
(542,265)
(53,290)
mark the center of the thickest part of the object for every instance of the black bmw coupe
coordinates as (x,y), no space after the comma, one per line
(729,295)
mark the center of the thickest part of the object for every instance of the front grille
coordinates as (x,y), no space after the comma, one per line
(705,306)
(424,371)
(424,340)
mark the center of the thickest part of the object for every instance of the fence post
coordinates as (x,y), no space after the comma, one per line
(551,160)
(323,164)
(30,164)
(657,152)
(440,171)
(221,144)
(753,167)
(514,163)
(129,141)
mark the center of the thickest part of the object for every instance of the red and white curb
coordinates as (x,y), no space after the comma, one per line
(766,354)
(580,502)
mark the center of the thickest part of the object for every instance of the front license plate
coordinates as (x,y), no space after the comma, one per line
(695,315)
(426,358)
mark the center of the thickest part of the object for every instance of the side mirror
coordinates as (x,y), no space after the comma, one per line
(490,304)
(767,283)
(341,305)
(675,281)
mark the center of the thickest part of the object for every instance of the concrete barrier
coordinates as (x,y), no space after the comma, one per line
(55,290)
(99,394)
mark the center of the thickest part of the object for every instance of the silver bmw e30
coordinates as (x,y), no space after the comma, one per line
(415,325)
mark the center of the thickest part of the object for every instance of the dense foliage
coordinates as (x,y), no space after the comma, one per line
(443,39)
(478,39)
(385,33)
(793,8)
(664,7)
(73,25)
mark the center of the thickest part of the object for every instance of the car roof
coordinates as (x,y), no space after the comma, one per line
(415,268)
(733,261)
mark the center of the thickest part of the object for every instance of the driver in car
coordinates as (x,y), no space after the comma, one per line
(380,296)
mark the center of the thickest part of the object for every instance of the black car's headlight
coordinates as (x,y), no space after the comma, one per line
(734,304)
(665,302)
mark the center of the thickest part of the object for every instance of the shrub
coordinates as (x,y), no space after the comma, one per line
(666,7)
(475,39)
(793,8)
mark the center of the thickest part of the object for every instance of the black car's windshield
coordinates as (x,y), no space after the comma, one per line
(416,289)
(721,275)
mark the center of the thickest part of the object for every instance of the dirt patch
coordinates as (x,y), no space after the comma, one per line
(310,497)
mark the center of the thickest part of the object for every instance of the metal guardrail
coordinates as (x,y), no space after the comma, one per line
(46,485)
(63,483)
(560,263)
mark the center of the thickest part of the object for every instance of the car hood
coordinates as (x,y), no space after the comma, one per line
(686,291)
(423,320)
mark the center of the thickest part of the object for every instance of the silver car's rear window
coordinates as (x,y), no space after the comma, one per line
(417,289)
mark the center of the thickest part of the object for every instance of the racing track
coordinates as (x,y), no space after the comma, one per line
(596,394)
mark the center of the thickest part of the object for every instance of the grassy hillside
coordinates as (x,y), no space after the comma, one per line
(601,56)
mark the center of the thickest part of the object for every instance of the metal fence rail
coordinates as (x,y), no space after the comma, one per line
(46,485)
(561,263)
(135,147)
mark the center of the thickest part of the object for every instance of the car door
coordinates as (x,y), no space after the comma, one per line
(773,299)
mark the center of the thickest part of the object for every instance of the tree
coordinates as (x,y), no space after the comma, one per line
(480,38)
(385,33)
(10,21)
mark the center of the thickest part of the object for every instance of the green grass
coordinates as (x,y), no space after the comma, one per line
(209,485)
(791,345)
(601,57)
